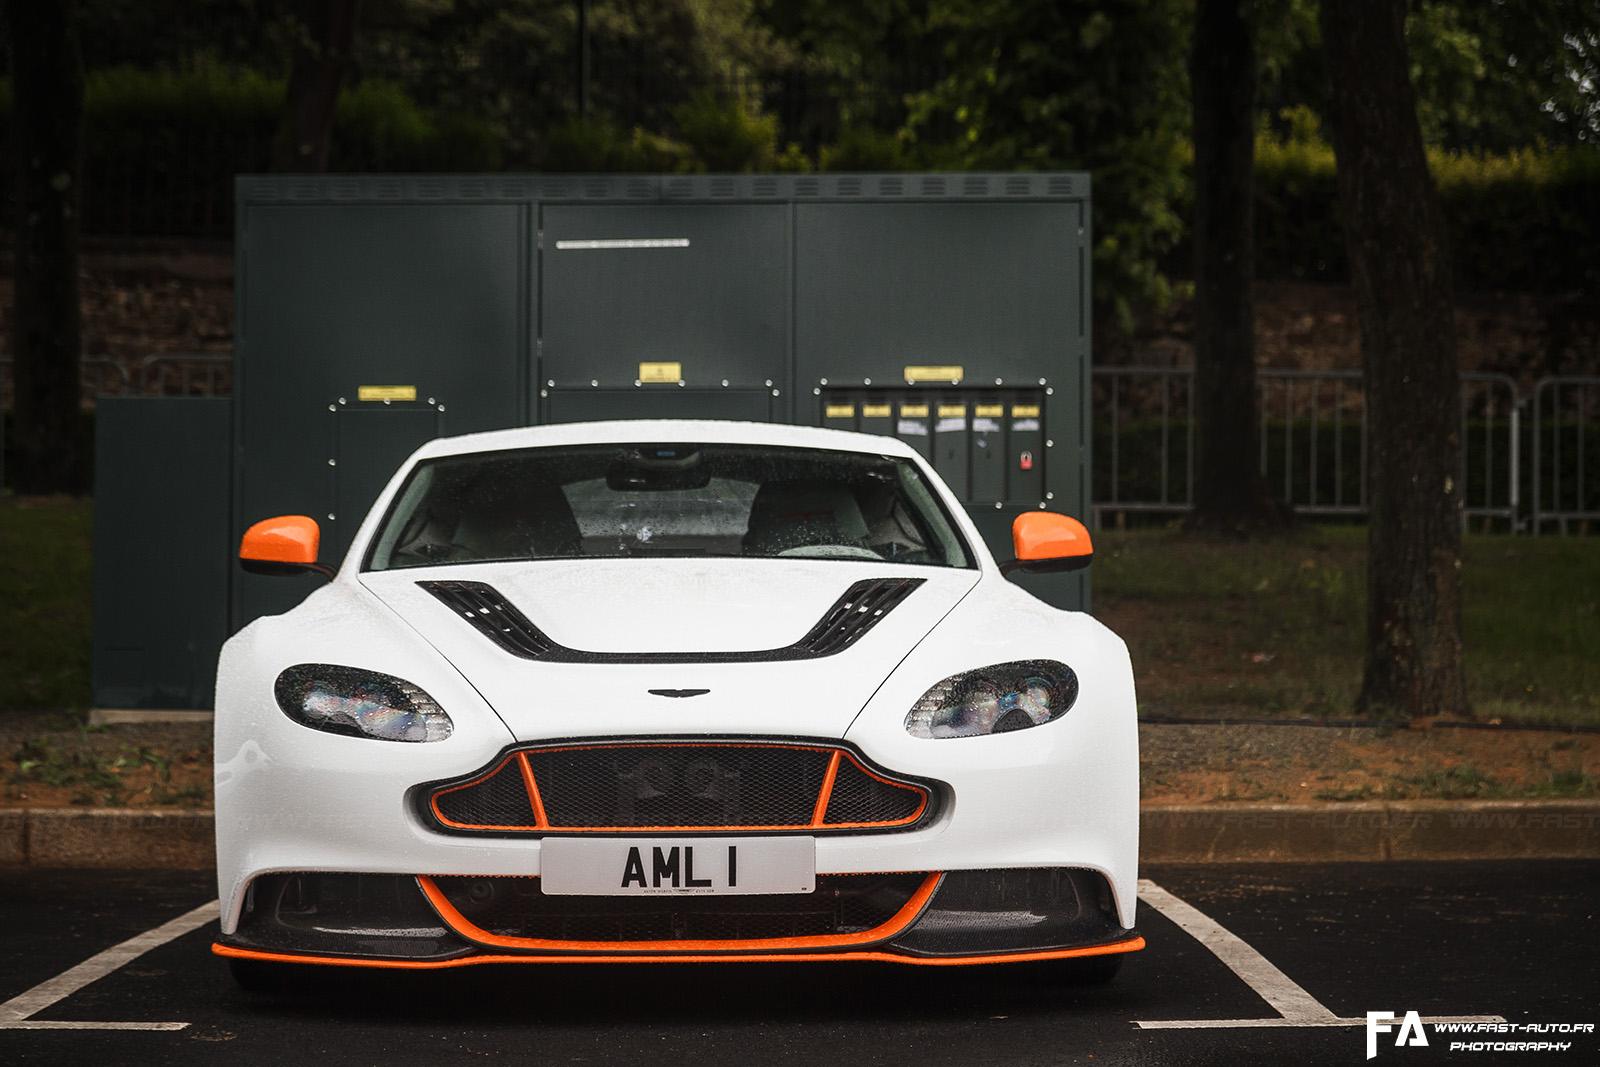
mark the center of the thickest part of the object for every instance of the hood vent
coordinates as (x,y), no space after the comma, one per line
(853,614)
(861,608)
(482,606)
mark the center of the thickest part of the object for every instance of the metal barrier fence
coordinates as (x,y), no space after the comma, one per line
(1566,453)
(1313,430)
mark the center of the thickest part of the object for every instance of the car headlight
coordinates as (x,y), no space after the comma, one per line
(995,700)
(346,700)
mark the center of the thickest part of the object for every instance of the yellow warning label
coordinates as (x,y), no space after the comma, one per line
(841,411)
(952,411)
(875,411)
(914,411)
(989,411)
(661,372)
(935,374)
(386,392)
(1025,411)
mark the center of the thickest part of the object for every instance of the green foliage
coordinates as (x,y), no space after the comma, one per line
(573,147)
(1489,75)
(1075,85)
(861,148)
(717,135)
(726,136)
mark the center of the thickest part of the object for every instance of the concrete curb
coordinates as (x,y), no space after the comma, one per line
(1368,830)
(130,838)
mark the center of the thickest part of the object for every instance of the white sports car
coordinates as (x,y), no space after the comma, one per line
(673,691)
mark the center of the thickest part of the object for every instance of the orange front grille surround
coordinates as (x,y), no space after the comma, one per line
(534,819)
(896,924)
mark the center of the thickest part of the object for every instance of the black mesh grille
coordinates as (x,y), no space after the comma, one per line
(841,904)
(682,786)
(704,786)
(859,797)
(501,799)
(853,614)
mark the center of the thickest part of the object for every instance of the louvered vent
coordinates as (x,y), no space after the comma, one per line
(861,608)
(852,615)
(491,616)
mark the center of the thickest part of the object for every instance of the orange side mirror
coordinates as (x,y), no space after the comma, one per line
(287,544)
(1046,542)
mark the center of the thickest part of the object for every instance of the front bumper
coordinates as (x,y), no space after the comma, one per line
(975,916)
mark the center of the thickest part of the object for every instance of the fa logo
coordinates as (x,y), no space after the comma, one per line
(1412,1024)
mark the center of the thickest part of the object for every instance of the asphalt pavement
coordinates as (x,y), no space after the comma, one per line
(1247,963)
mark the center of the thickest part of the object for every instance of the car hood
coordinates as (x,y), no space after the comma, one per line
(700,633)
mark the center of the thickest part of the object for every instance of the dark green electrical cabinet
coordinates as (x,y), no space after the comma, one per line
(373,313)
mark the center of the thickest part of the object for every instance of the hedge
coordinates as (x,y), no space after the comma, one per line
(1524,222)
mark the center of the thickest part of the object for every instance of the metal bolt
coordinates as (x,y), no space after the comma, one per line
(385,401)
(552,382)
(1049,496)
(637,384)
(999,381)
(1049,444)
(866,381)
(330,516)
(333,463)
(816,392)
(775,392)
(724,383)
(1041,381)
(822,381)
(333,407)
(441,407)
(1050,392)
(998,505)
(594,383)
(342,400)
(769,383)
(542,393)
(432,401)
(682,383)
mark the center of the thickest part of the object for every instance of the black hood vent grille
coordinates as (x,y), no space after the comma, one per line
(483,606)
(852,615)
(861,608)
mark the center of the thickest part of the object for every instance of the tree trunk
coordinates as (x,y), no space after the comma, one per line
(325,31)
(1230,494)
(47,136)
(1400,267)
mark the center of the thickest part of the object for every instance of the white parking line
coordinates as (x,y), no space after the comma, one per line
(16,1013)
(1295,1007)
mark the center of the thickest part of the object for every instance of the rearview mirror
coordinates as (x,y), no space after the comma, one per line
(287,544)
(1047,543)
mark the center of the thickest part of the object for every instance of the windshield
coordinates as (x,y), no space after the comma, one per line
(654,500)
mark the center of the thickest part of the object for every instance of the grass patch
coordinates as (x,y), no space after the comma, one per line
(1279,627)
(45,597)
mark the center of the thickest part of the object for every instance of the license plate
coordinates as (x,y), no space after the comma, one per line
(631,867)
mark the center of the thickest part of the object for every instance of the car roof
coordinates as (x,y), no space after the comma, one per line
(698,431)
